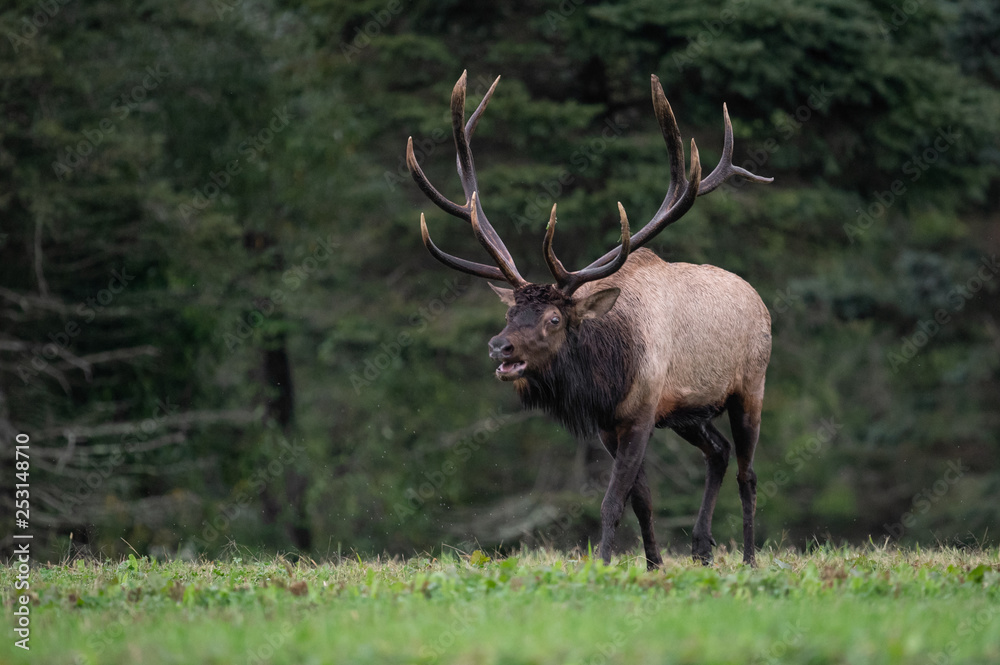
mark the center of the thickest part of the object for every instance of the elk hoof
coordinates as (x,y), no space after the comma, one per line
(653,562)
(701,549)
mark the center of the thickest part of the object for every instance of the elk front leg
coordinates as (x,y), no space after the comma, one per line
(642,505)
(632,439)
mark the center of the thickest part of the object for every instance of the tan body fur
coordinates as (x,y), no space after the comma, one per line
(706,331)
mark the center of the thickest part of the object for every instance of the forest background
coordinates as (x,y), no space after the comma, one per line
(218,324)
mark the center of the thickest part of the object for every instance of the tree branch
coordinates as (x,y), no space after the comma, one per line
(26,302)
(70,450)
(181,420)
(84,362)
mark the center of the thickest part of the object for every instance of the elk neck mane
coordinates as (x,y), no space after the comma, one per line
(589,377)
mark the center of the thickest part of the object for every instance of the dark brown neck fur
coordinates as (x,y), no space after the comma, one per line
(589,377)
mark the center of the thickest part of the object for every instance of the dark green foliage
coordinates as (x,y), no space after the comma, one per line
(299,360)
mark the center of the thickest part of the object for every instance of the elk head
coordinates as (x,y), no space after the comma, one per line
(539,320)
(542,317)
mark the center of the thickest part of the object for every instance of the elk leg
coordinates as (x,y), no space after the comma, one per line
(625,470)
(642,505)
(744,417)
(715,447)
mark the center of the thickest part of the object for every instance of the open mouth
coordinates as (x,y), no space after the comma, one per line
(511,369)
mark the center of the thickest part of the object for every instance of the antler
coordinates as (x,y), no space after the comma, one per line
(472,211)
(568,281)
(680,197)
(682,192)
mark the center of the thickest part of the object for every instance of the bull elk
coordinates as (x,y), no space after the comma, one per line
(630,342)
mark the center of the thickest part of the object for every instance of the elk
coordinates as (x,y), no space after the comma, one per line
(630,342)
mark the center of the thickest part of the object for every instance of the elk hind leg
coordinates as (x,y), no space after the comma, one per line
(744,417)
(715,446)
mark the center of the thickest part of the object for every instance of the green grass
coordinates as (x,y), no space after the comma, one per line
(828,606)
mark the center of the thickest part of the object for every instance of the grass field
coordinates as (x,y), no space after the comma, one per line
(830,605)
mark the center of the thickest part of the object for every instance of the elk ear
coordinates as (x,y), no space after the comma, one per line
(597,304)
(506,295)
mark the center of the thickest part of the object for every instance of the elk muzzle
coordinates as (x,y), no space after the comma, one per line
(502,350)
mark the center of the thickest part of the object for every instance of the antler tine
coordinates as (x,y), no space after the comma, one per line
(590,274)
(465,165)
(555,265)
(672,214)
(463,154)
(470,127)
(725,169)
(681,194)
(507,268)
(427,188)
(568,281)
(469,267)
(691,191)
(675,145)
(679,185)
